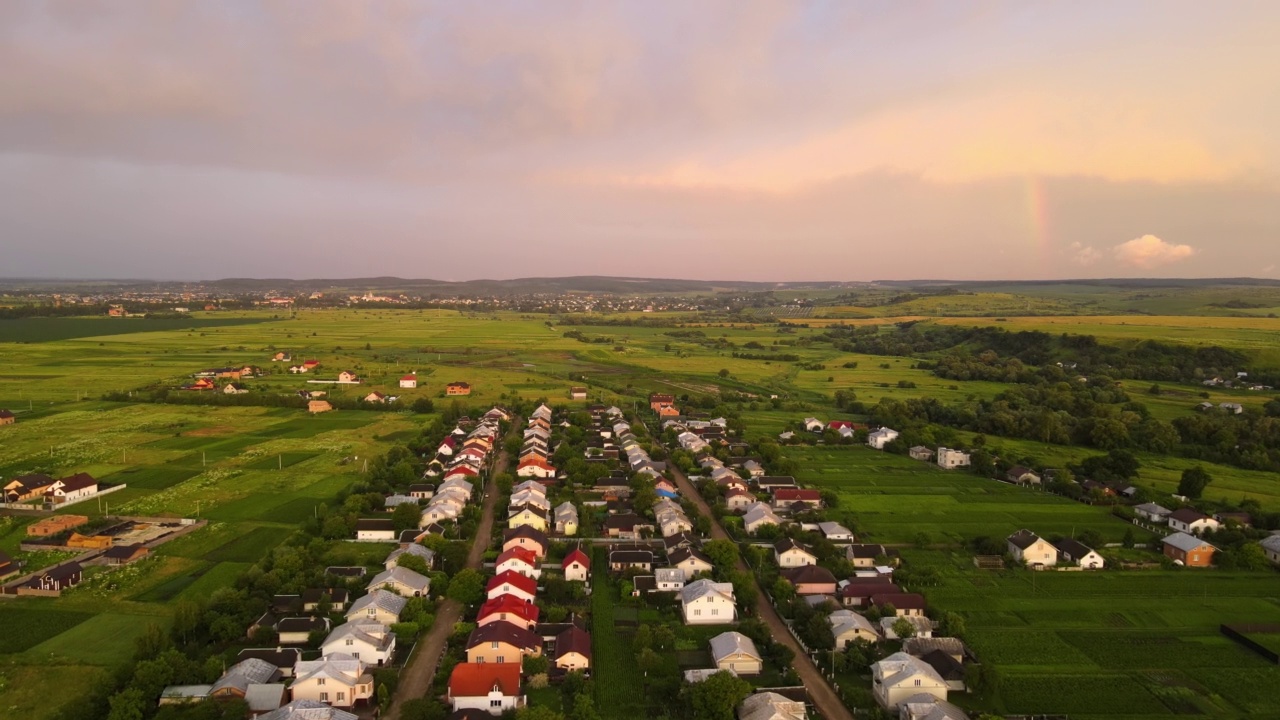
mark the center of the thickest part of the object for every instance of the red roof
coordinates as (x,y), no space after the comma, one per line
(516,580)
(311,363)
(509,604)
(479,679)
(449,442)
(797,494)
(578,555)
(837,424)
(409,377)
(462,470)
(524,555)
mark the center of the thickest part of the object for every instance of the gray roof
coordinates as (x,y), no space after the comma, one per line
(770,706)
(401,576)
(733,643)
(1271,543)
(900,666)
(308,710)
(1152,509)
(263,697)
(1185,542)
(701,588)
(382,599)
(245,673)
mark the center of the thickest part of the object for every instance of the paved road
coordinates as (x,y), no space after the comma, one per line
(416,677)
(822,694)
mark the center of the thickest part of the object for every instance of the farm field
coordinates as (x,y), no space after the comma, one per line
(1112,644)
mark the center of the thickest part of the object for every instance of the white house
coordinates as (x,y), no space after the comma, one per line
(690,562)
(1079,554)
(1153,513)
(813,424)
(1031,549)
(848,626)
(339,680)
(835,532)
(427,554)
(368,641)
(770,706)
(736,652)
(1271,546)
(375,530)
(1192,521)
(668,579)
(879,438)
(704,602)
(901,676)
(949,459)
(759,515)
(491,687)
(403,581)
(409,381)
(790,554)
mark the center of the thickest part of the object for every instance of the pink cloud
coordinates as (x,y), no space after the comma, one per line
(1150,251)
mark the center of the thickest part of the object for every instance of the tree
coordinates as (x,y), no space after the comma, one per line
(903,628)
(717,697)
(406,516)
(665,638)
(584,708)
(648,661)
(467,587)
(722,553)
(724,372)
(1128,540)
(643,639)
(414,563)
(538,712)
(128,704)
(1194,481)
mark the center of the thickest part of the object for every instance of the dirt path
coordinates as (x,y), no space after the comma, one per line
(416,677)
(822,694)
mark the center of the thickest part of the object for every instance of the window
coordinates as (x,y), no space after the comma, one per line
(697,612)
(324,697)
(342,696)
(917,683)
(495,703)
(319,681)
(494,645)
(350,642)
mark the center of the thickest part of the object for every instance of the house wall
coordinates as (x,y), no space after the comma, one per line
(893,696)
(740,664)
(709,611)
(573,661)
(486,653)
(333,692)
(794,559)
(1198,558)
(576,571)
(493,703)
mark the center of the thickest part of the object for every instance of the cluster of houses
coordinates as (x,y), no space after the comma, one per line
(53,493)
(946,458)
(279,682)
(1241,380)
(1036,552)
(508,627)
(1184,545)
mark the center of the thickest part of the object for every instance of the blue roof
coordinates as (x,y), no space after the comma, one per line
(668,494)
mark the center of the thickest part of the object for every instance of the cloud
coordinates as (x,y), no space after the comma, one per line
(1084,255)
(1149,252)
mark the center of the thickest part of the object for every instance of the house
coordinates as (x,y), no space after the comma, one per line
(690,561)
(375,530)
(848,626)
(1153,513)
(297,630)
(511,609)
(901,676)
(659,402)
(519,560)
(1079,554)
(1190,520)
(402,581)
(1019,475)
(55,524)
(835,532)
(736,652)
(502,642)
(921,626)
(422,491)
(1188,550)
(234,389)
(920,452)
(667,580)
(1233,408)
(308,710)
(753,469)
(759,515)
(126,554)
(409,381)
(339,680)
(865,555)
(7,417)
(630,559)
(738,500)
(786,498)
(572,650)
(1032,550)
(283,659)
(526,537)
(1228,519)
(879,438)
(427,554)
(375,397)
(68,489)
(813,424)
(904,604)
(346,377)
(239,678)
(318,406)
(512,583)
(811,580)
(56,579)
(313,597)
(534,465)
(527,515)
(770,706)
(626,526)
(566,518)
(790,554)
(457,388)
(380,605)
(1270,547)
(704,602)
(490,687)
(949,459)
(369,641)
(27,487)
(576,566)
(577,393)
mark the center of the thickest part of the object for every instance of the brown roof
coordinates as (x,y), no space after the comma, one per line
(573,640)
(375,524)
(1187,515)
(79,481)
(899,600)
(525,531)
(504,632)
(809,575)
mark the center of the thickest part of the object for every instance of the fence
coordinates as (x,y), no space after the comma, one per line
(1237,633)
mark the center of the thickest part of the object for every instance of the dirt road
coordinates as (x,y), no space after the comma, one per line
(823,695)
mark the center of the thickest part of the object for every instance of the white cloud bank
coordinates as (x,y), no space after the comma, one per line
(1149,252)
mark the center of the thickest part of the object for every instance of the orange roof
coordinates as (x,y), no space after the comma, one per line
(479,679)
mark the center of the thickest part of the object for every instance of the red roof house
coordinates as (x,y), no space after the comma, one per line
(513,583)
(508,608)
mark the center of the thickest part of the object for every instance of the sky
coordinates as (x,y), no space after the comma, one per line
(860,140)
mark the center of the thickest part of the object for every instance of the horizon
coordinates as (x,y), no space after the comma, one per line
(1041,142)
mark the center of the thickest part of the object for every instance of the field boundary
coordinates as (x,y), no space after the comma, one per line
(1237,633)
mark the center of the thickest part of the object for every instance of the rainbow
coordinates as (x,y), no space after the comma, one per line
(1038,215)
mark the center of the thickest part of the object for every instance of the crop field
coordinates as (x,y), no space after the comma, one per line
(39,330)
(1127,643)
(895,499)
